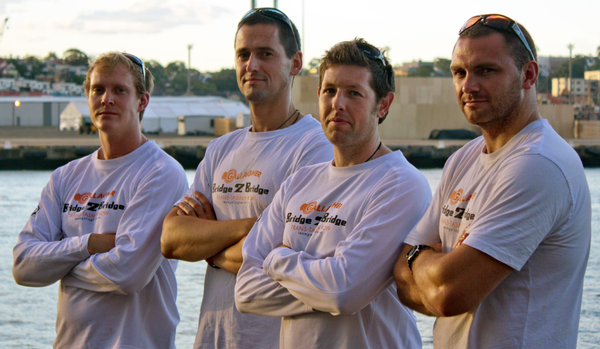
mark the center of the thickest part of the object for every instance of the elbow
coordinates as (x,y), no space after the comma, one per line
(167,245)
(345,305)
(130,286)
(446,302)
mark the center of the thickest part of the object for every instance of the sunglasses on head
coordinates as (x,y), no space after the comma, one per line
(139,62)
(499,22)
(371,53)
(272,13)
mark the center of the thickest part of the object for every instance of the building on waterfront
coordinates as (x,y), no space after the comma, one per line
(422,105)
(186,115)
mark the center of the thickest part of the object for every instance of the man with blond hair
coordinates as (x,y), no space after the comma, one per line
(98,223)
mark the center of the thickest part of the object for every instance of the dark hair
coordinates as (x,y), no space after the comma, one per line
(348,52)
(289,40)
(110,60)
(515,47)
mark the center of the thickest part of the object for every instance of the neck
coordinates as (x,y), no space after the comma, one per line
(116,146)
(496,137)
(345,156)
(267,116)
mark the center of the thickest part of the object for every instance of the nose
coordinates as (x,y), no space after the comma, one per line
(470,84)
(252,65)
(339,102)
(107,99)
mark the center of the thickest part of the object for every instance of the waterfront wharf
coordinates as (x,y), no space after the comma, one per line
(44,148)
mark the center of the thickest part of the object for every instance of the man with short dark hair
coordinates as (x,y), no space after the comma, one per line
(501,253)
(322,254)
(239,176)
(98,223)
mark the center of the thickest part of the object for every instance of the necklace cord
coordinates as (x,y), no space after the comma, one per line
(288,119)
(376,150)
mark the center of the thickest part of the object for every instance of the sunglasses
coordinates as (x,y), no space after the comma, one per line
(272,13)
(499,22)
(371,53)
(137,61)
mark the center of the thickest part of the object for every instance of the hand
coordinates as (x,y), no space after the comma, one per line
(200,207)
(101,243)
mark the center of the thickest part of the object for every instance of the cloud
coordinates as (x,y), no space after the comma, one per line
(144,17)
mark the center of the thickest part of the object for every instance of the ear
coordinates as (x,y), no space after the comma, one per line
(384,104)
(144,100)
(530,74)
(296,64)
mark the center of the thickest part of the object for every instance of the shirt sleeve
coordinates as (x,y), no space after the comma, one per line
(129,266)
(361,267)
(202,177)
(255,292)
(319,150)
(42,254)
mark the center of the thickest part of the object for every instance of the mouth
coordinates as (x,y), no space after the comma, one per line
(338,121)
(252,79)
(474,102)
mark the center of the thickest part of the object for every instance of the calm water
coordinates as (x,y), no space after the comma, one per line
(27,314)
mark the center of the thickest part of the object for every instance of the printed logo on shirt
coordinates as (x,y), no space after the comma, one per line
(319,224)
(232,174)
(314,206)
(457,196)
(86,209)
(83,198)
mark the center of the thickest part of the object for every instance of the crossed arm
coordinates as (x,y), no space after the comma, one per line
(447,284)
(192,233)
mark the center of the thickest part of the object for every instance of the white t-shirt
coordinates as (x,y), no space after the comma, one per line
(528,206)
(334,285)
(124,298)
(240,174)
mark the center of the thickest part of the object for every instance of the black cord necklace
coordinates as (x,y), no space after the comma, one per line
(288,119)
(376,150)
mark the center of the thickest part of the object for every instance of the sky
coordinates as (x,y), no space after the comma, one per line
(162,29)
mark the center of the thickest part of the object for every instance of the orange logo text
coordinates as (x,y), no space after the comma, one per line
(313,206)
(83,198)
(458,195)
(232,174)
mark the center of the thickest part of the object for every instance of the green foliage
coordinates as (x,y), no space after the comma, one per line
(225,80)
(442,66)
(75,56)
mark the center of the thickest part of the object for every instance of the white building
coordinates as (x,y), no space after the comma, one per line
(163,113)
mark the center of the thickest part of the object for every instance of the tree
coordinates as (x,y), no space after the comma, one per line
(579,65)
(442,66)
(225,80)
(75,56)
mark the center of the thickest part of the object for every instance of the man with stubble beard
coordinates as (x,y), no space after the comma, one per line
(240,174)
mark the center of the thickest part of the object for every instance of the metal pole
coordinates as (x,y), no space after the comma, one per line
(252,4)
(570,47)
(189,86)
(275,3)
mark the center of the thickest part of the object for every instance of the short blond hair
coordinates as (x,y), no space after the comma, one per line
(110,60)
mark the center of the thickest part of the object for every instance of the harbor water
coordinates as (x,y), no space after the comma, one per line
(27,315)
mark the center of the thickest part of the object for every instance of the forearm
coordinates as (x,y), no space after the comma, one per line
(256,293)
(408,292)
(230,259)
(41,263)
(194,239)
(329,284)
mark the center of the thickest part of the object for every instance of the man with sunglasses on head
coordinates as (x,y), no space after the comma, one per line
(322,254)
(98,224)
(501,253)
(239,176)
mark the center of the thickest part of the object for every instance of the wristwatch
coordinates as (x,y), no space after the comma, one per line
(414,252)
